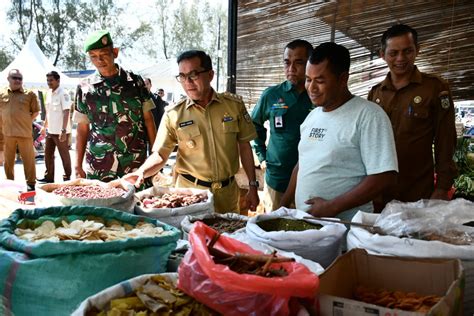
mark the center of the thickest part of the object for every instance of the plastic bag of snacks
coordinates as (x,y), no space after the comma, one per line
(53,258)
(238,293)
(146,293)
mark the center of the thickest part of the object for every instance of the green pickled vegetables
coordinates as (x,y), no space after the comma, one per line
(278,224)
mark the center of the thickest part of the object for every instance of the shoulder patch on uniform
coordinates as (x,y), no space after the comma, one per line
(247,117)
(444,99)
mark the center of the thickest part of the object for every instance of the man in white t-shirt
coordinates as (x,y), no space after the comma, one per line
(347,152)
(57,127)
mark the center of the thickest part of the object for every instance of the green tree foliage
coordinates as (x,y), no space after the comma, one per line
(187,30)
(62,25)
(50,22)
(5,59)
(192,25)
(169,28)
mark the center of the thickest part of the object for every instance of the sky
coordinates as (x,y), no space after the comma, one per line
(5,28)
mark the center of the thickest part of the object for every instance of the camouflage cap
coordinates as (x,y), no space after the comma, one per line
(98,39)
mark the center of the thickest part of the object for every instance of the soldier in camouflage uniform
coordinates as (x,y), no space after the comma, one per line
(113,116)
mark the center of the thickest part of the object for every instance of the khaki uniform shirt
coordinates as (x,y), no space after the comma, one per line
(422,114)
(207,138)
(17,107)
(2,141)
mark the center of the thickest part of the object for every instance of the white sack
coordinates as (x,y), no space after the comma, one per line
(321,246)
(242,236)
(126,202)
(100,300)
(425,217)
(174,216)
(405,247)
(188,221)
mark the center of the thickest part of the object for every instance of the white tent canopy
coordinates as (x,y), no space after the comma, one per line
(34,66)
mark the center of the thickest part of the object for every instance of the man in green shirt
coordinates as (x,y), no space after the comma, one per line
(285,106)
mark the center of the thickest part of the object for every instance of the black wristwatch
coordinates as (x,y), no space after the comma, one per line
(254,184)
(63,130)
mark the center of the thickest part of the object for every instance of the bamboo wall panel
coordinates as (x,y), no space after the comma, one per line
(445,30)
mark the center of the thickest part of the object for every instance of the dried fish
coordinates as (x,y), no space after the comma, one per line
(173,200)
(223,225)
(243,263)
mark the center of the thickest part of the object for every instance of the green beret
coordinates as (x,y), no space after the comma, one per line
(98,39)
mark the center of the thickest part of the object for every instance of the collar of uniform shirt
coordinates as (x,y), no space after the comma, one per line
(288,86)
(215,97)
(415,77)
(98,78)
(19,90)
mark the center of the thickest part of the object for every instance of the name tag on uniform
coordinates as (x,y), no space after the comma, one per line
(279,122)
(228,119)
(187,123)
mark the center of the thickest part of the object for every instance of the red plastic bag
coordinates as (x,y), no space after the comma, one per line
(231,293)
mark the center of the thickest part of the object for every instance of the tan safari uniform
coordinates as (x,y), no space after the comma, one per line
(16,108)
(422,114)
(2,142)
(207,140)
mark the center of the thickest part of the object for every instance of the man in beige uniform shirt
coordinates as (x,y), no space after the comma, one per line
(19,108)
(2,143)
(211,130)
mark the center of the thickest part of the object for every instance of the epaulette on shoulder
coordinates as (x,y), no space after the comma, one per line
(135,77)
(29,91)
(180,102)
(435,77)
(232,96)
(377,85)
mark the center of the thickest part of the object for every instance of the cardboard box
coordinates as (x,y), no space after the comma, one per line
(442,277)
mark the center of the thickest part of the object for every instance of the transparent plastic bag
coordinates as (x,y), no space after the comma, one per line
(445,221)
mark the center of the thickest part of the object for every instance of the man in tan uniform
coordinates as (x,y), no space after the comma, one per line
(210,129)
(421,110)
(19,108)
(2,143)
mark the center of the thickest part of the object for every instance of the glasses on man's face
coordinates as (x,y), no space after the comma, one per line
(193,75)
(17,78)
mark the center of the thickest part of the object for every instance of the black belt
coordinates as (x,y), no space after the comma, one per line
(214,185)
